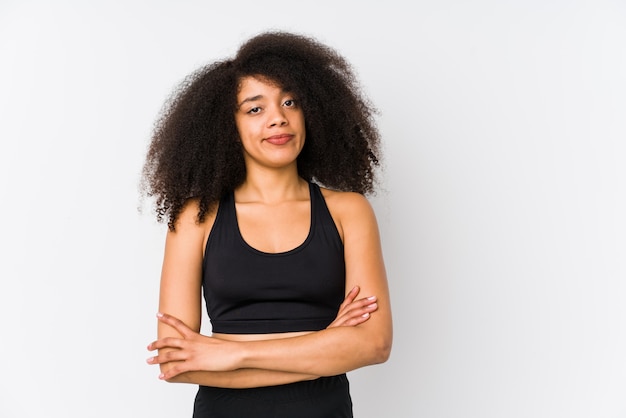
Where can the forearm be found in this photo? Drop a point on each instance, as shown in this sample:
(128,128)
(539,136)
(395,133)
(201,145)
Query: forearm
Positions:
(324,353)
(344,346)
(241,378)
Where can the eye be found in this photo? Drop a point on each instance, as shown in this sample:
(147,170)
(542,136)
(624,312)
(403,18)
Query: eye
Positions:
(254,110)
(290,103)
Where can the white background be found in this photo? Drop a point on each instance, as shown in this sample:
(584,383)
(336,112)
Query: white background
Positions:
(503,215)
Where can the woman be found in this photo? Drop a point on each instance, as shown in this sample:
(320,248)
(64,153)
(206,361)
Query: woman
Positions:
(235,167)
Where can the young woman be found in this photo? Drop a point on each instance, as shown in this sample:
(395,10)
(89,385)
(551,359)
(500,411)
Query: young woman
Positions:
(259,164)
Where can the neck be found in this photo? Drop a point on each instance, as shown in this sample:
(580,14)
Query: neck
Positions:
(272,186)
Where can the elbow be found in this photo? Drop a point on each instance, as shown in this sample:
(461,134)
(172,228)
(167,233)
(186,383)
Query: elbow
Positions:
(175,379)
(179,378)
(383,352)
(381,349)
(377,343)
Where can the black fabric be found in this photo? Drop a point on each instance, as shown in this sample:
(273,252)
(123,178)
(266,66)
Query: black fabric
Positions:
(251,292)
(326,397)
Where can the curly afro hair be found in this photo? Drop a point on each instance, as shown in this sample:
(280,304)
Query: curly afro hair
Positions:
(195,150)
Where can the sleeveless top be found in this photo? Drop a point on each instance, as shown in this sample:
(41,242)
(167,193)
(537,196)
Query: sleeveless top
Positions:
(248,291)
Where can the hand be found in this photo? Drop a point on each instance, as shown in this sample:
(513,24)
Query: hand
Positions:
(192,352)
(353,313)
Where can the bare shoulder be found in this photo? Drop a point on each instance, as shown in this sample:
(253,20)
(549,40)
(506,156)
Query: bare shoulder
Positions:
(345,201)
(188,223)
(348,209)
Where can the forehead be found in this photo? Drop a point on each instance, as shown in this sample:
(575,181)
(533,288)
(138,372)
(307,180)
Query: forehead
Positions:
(248,84)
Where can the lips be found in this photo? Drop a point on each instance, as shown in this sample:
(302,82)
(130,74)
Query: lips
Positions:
(279,139)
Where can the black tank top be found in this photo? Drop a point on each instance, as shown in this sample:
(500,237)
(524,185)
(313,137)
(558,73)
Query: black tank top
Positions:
(248,291)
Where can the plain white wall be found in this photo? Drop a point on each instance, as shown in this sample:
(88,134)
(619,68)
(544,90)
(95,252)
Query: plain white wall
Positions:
(502,220)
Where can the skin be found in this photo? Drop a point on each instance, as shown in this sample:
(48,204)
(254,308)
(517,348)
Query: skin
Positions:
(272,132)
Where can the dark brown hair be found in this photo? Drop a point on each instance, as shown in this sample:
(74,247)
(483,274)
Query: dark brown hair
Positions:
(195,150)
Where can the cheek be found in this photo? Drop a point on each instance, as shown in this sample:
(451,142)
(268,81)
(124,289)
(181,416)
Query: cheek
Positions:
(245,129)
(299,120)
(238,126)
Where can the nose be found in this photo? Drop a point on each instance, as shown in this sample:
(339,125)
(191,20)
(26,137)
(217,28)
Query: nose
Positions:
(277,117)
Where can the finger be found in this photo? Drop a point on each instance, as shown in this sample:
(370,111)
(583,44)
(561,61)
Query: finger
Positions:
(351,307)
(350,321)
(357,320)
(352,294)
(169,342)
(356,305)
(167,357)
(357,313)
(354,316)
(174,322)
(174,371)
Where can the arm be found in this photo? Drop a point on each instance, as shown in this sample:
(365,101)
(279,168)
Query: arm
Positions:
(181,276)
(351,313)
(180,295)
(341,349)
(327,352)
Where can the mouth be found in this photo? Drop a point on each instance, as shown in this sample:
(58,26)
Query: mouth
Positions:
(279,139)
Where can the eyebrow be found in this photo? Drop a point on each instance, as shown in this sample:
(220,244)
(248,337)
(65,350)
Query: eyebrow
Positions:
(250,99)
(259,97)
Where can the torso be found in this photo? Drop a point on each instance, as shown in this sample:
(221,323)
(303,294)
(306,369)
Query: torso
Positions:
(285,226)
(257,337)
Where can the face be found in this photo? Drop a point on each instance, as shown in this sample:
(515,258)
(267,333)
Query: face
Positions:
(270,123)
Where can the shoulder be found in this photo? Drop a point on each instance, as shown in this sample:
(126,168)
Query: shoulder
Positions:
(188,225)
(348,209)
(342,202)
